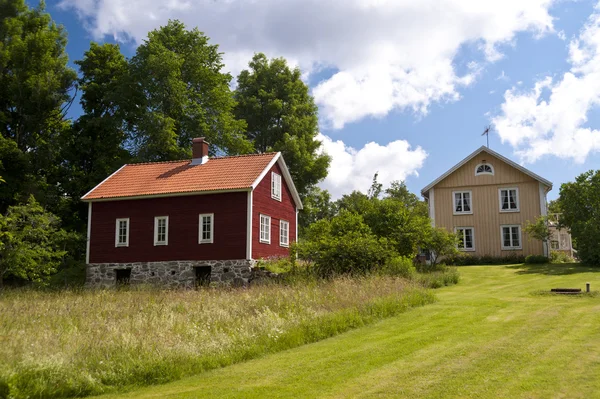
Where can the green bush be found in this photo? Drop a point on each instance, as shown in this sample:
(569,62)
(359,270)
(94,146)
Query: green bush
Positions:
(536,259)
(560,257)
(399,266)
(438,279)
(344,245)
(463,259)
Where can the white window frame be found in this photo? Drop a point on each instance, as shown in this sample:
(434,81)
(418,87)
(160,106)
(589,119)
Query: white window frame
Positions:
(510,248)
(156,221)
(517,199)
(454,212)
(117,223)
(267,222)
(275,186)
(484,173)
(284,241)
(201,228)
(463,228)
(557,245)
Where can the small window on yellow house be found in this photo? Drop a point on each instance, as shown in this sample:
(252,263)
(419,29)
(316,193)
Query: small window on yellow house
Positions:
(484,169)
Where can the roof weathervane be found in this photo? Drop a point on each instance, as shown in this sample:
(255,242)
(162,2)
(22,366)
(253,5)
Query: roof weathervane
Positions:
(486,133)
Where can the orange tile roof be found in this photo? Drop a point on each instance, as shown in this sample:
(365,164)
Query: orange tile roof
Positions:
(159,178)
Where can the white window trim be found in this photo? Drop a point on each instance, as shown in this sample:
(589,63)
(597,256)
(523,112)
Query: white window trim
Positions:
(500,200)
(484,173)
(473,237)
(454,203)
(212,228)
(276,186)
(502,237)
(281,243)
(166,241)
(117,244)
(260,224)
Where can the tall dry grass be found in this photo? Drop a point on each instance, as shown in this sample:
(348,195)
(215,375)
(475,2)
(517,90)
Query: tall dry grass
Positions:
(73,343)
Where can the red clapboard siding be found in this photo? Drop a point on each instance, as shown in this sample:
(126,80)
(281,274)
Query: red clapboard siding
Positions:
(230,210)
(262,203)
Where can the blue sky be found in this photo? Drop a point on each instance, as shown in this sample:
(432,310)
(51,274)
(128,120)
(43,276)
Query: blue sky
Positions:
(404,89)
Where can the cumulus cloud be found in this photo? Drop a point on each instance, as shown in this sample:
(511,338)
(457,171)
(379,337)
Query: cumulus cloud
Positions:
(384,54)
(550,118)
(353,169)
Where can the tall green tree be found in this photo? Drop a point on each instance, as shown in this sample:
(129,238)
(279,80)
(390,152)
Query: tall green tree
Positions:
(35,89)
(95,145)
(282,116)
(579,202)
(317,205)
(177,91)
(30,242)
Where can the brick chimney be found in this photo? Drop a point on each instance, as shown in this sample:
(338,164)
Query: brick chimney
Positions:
(199,151)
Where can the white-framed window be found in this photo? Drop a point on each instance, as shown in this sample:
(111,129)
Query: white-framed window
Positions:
(122,232)
(462,202)
(161,230)
(509,199)
(466,238)
(484,169)
(511,236)
(206,228)
(284,233)
(554,244)
(275,186)
(265,229)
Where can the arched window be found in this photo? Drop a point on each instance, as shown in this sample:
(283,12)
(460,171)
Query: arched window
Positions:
(484,169)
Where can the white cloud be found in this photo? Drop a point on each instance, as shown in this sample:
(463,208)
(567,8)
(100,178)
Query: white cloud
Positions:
(550,118)
(353,169)
(386,54)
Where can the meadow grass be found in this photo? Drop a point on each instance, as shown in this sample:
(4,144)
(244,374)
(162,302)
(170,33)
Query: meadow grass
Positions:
(78,343)
(491,336)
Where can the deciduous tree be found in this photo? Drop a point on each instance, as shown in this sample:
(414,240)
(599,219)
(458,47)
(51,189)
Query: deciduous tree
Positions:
(281,116)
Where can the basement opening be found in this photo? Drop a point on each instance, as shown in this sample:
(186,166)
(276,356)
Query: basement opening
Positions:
(202,276)
(123,276)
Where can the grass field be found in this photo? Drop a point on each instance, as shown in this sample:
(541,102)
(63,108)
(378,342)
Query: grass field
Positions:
(77,343)
(492,336)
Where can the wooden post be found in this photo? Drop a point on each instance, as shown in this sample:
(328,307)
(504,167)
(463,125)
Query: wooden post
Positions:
(587,287)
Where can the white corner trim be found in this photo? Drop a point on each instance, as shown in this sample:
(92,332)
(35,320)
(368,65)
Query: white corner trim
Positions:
(103,181)
(249,227)
(89,234)
(544,212)
(296,225)
(432,206)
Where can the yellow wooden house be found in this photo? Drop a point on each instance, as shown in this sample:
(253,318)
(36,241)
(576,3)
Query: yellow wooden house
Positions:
(488,199)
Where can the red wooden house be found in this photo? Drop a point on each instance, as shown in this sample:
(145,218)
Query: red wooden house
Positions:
(183,223)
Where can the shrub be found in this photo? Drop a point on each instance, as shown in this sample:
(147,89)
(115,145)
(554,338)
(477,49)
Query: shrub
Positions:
(560,257)
(536,259)
(438,279)
(463,259)
(399,266)
(344,245)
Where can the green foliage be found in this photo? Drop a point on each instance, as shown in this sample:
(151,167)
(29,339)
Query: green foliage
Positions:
(178,92)
(441,243)
(343,245)
(30,243)
(536,259)
(281,116)
(438,279)
(317,205)
(539,229)
(560,257)
(580,205)
(399,266)
(463,259)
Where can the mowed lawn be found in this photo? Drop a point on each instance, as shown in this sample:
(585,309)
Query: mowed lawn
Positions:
(491,336)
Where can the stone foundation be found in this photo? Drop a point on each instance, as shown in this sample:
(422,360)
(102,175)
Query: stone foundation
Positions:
(172,274)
